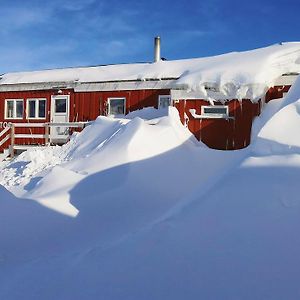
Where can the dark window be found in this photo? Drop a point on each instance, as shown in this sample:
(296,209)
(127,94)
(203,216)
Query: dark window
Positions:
(42,108)
(60,105)
(36,108)
(19,108)
(31,109)
(10,109)
(14,109)
(215,110)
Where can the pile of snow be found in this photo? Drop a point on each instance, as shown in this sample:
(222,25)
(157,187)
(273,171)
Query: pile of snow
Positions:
(280,134)
(235,75)
(140,210)
(108,144)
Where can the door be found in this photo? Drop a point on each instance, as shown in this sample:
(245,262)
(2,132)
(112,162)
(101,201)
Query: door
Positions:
(60,111)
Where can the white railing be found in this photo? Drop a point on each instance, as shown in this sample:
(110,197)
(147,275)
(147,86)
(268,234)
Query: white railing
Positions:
(9,132)
(4,135)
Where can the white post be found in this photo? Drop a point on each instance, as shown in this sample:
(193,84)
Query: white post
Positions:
(47,134)
(12,141)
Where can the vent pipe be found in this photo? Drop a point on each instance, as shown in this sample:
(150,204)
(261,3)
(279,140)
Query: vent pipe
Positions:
(157,49)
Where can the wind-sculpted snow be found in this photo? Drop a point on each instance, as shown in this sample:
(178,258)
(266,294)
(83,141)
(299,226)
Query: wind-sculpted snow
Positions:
(280,134)
(138,209)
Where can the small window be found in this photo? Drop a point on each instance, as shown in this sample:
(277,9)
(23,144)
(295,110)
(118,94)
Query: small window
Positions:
(61,105)
(36,108)
(10,109)
(116,106)
(14,108)
(42,109)
(217,110)
(164,101)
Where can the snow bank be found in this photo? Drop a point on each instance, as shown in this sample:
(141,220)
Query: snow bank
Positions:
(235,75)
(154,216)
(113,178)
(280,134)
(148,113)
(106,144)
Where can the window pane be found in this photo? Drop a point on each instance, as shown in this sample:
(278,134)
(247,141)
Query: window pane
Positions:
(164,102)
(215,110)
(19,109)
(117,106)
(10,109)
(42,108)
(31,109)
(60,105)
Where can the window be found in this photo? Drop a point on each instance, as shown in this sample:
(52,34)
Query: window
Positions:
(116,106)
(36,108)
(214,111)
(164,101)
(14,108)
(61,105)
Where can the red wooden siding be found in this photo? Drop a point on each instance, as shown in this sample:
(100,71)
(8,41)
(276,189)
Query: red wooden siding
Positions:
(276,92)
(25,96)
(88,105)
(84,106)
(222,134)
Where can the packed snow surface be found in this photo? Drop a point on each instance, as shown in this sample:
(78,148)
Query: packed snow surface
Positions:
(136,208)
(235,75)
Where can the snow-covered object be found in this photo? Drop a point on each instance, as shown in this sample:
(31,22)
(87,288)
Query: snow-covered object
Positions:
(186,223)
(112,145)
(234,75)
(153,216)
(281,132)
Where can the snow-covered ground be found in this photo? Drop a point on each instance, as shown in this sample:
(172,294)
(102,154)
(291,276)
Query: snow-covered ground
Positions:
(138,209)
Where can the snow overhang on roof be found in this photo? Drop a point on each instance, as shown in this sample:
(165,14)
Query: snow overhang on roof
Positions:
(237,75)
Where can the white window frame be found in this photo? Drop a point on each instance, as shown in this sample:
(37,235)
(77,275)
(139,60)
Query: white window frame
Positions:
(14,117)
(163,96)
(215,115)
(37,106)
(116,98)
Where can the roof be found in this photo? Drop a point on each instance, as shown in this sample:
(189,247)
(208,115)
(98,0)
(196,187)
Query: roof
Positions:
(234,75)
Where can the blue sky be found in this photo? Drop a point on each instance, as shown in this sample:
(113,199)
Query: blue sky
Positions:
(59,33)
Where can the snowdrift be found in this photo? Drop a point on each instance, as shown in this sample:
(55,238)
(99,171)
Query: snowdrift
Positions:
(159,150)
(280,134)
(137,209)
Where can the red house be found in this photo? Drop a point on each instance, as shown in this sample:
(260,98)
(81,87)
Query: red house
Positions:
(217,97)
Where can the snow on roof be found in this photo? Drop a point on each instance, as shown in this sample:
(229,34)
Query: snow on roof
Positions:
(280,134)
(238,75)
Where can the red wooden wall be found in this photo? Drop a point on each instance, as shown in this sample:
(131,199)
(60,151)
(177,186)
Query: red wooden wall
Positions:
(216,133)
(221,134)
(26,95)
(84,106)
(88,105)
(276,92)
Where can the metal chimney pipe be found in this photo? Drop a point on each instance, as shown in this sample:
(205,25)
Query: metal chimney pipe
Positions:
(157,49)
